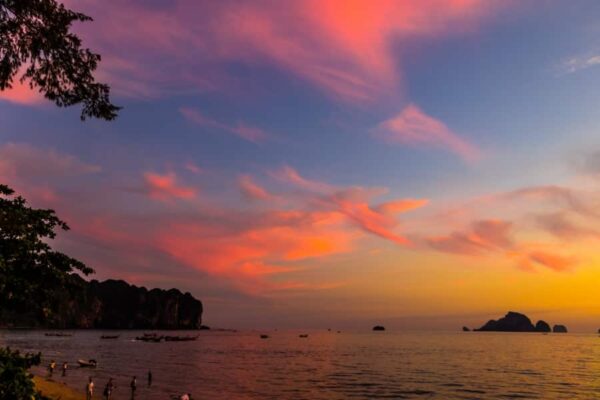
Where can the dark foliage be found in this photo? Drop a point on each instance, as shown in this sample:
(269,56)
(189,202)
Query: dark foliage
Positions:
(15,380)
(35,38)
(32,275)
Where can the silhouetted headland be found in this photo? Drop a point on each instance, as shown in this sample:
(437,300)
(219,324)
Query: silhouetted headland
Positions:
(517,322)
(113,304)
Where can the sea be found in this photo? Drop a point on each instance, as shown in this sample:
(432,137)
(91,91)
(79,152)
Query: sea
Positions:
(328,365)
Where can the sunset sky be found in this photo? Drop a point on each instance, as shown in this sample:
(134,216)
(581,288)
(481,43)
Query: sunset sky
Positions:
(422,164)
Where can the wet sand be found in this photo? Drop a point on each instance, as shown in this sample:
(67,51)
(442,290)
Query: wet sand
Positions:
(56,390)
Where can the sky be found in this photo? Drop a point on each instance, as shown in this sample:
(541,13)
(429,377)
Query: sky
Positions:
(332,163)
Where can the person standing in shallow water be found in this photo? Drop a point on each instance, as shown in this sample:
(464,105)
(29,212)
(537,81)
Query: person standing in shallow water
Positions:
(51,368)
(149,378)
(89,389)
(64,369)
(133,386)
(108,389)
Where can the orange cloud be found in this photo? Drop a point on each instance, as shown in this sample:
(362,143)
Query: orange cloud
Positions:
(400,206)
(413,127)
(165,187)
(247,255)
(555,262)
(251,134)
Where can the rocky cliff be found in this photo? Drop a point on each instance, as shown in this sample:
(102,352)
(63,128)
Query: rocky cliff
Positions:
(114,304)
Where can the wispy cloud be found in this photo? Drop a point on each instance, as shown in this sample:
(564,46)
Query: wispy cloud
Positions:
(341,47)
(575,64)
(251,190)
(166,187)
(249,133)
(412,126)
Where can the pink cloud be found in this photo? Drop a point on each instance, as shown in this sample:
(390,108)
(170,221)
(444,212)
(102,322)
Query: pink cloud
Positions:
(36,172)
(30,162)
(165,187)
(251,134)
(251,190)
(413,127)
(482,237)
(21,93)
(495,238)
(289,175)
(343,47)
(190,166)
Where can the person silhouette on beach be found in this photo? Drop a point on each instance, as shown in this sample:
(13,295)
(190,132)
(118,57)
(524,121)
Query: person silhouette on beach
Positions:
(133,386)
(89,389)
(108,389)
(51,368)
(64,369)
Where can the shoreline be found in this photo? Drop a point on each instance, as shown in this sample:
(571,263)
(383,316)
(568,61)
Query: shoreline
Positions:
(56,390)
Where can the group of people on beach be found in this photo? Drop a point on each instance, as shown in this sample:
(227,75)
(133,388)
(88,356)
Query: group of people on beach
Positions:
(110,387)
(52,367)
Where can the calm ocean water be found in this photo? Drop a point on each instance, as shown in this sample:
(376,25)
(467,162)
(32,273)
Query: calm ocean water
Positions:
(328,365)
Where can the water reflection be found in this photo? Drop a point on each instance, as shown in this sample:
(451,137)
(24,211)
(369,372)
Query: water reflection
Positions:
(328,365)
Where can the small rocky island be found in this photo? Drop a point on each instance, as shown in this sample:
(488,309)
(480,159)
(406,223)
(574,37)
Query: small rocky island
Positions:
(112,304)
(559,329)
(517,322)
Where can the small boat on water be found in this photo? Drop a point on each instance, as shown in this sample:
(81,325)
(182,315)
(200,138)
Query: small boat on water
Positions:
(89,363)
(109,336)
(150,337)
(304,335)
(180,338)
(264,336)
(58,334)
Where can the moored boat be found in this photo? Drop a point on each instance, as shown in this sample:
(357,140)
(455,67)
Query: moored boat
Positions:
(89,363)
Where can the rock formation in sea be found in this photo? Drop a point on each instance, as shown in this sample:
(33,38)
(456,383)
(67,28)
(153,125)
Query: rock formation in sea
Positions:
(559,329)
(517,322)
(114,304)
(378,328)
(542,326)
(511,322)
(465,329)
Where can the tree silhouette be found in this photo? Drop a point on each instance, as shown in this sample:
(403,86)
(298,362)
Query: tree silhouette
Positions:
(35,37)
(32,274)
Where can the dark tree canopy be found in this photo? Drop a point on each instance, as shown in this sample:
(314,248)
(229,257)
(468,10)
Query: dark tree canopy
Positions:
(32,274)
(15,380)
(35,37)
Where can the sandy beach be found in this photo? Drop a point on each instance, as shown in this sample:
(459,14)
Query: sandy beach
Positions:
(56,390)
